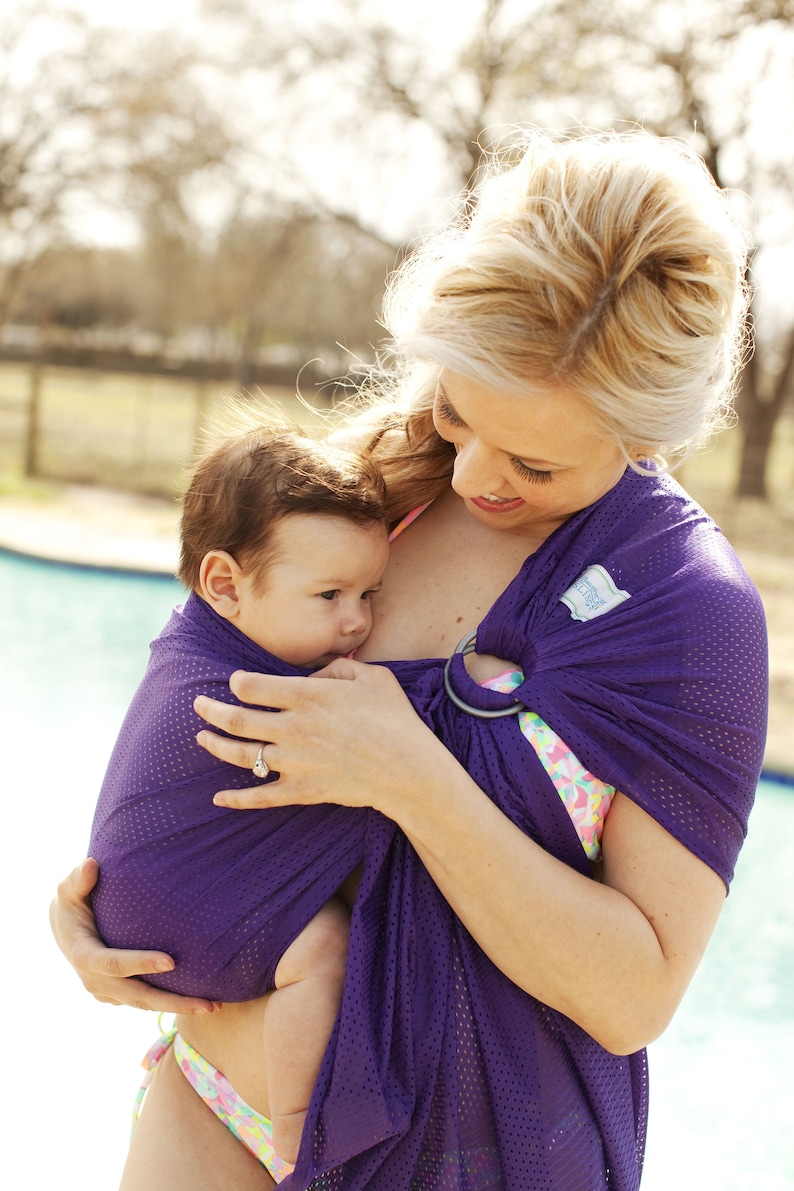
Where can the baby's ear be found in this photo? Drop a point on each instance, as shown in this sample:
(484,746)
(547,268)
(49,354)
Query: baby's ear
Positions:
(219,579)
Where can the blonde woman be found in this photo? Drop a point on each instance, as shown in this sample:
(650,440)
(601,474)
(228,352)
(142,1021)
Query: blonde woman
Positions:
(547,858)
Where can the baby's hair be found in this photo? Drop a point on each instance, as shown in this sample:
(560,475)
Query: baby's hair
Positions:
(257,473)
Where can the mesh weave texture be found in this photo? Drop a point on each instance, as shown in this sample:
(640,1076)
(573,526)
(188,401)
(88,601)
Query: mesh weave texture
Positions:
(441,1074)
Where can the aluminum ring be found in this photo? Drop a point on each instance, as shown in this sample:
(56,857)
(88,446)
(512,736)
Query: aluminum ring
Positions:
(468,644)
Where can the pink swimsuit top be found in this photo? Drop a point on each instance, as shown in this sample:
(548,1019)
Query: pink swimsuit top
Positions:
(586,798)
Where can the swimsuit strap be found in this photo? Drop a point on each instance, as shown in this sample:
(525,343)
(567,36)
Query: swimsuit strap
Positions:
(408,519)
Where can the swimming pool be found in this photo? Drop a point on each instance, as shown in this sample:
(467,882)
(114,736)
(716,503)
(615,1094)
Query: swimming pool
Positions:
(74,644)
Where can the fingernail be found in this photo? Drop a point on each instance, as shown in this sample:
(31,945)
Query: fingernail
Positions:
(163,965)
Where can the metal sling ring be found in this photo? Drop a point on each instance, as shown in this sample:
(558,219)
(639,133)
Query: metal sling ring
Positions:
(468,644)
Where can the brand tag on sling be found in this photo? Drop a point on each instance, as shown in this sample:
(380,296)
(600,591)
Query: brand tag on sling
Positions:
(593,594)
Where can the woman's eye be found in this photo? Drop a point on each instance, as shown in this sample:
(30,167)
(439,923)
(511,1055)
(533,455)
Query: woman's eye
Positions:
(328,595)
(446,413)
(531,473)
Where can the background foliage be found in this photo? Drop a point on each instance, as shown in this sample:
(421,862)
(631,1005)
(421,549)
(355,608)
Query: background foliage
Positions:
(238,189)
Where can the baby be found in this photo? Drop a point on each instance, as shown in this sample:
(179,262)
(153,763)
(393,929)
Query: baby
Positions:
(283,545)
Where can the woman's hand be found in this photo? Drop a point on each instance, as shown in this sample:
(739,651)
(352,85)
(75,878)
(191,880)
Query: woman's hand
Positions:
(106,972)
(356,741)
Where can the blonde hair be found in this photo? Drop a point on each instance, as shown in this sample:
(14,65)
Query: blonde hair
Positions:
(609,264)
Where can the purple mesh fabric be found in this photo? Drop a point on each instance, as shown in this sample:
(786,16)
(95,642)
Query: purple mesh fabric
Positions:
(224,892)
(441,1073)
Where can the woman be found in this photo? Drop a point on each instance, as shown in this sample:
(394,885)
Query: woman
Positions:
(587,319)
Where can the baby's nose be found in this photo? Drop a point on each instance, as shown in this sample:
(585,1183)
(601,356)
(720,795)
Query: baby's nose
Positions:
(356,620)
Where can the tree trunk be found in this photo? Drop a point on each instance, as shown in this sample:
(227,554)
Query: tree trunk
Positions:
(758,417)
(757,439)
(33,427)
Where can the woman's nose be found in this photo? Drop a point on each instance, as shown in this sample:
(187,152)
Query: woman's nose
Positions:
(475,471)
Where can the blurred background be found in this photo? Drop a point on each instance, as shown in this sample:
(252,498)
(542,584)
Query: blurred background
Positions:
(214,193)
(206,198)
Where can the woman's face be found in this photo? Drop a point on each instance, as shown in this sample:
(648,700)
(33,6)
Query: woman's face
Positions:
(524,463)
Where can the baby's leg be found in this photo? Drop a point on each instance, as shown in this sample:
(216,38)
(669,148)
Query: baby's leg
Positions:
(299,1018)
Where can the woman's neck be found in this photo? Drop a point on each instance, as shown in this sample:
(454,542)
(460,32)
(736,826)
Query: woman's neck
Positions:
(451,567)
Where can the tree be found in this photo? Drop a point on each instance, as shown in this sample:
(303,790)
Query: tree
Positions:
(90,121)
(721,75)
(289,279)
(38,120)
(400,106)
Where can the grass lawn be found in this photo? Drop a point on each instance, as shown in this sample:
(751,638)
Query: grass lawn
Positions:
(136,434)
(113,429)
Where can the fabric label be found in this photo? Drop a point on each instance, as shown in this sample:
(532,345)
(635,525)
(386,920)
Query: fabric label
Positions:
(593,594)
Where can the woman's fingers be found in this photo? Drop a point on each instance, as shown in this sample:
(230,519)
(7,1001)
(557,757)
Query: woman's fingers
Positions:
(270,695)
(138,995)
(255,798)
(355,742)
(242,753)
(107,972)
(80,881)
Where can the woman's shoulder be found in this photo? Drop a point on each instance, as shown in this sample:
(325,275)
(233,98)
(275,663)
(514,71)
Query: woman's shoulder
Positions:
(660,526)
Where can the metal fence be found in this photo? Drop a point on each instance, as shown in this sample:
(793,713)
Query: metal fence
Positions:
(121,430)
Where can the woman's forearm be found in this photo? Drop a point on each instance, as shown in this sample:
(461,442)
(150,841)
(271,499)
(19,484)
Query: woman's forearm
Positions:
(614,956)
(593,951)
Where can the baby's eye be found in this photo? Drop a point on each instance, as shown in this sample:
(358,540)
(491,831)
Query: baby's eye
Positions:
(531,473)
(329,595)
(367,595)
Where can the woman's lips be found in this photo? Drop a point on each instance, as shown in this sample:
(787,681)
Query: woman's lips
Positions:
(496,506)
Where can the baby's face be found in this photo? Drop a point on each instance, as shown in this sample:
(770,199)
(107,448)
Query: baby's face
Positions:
(315,604)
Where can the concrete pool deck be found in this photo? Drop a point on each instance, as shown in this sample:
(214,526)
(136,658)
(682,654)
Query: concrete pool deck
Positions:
(115,530)
(93,527)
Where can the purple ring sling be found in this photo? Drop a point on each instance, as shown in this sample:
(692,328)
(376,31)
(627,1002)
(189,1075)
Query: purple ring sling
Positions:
(643,646)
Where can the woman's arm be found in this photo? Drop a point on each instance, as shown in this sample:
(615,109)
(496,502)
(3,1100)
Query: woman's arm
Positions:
(614,956)
(108,972)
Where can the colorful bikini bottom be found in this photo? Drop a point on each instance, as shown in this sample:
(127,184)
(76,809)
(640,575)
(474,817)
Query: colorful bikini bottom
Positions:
(474,1169)
(247,1125)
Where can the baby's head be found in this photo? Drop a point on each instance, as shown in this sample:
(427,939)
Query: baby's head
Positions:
(287,539)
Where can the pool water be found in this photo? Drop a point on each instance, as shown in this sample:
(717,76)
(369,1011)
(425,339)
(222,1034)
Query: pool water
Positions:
(74,644)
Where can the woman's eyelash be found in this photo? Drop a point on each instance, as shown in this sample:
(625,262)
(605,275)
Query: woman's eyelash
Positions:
(531,473)
(446,412)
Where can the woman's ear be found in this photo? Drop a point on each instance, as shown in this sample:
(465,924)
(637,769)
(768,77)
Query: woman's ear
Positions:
(638,454)
(219,583)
